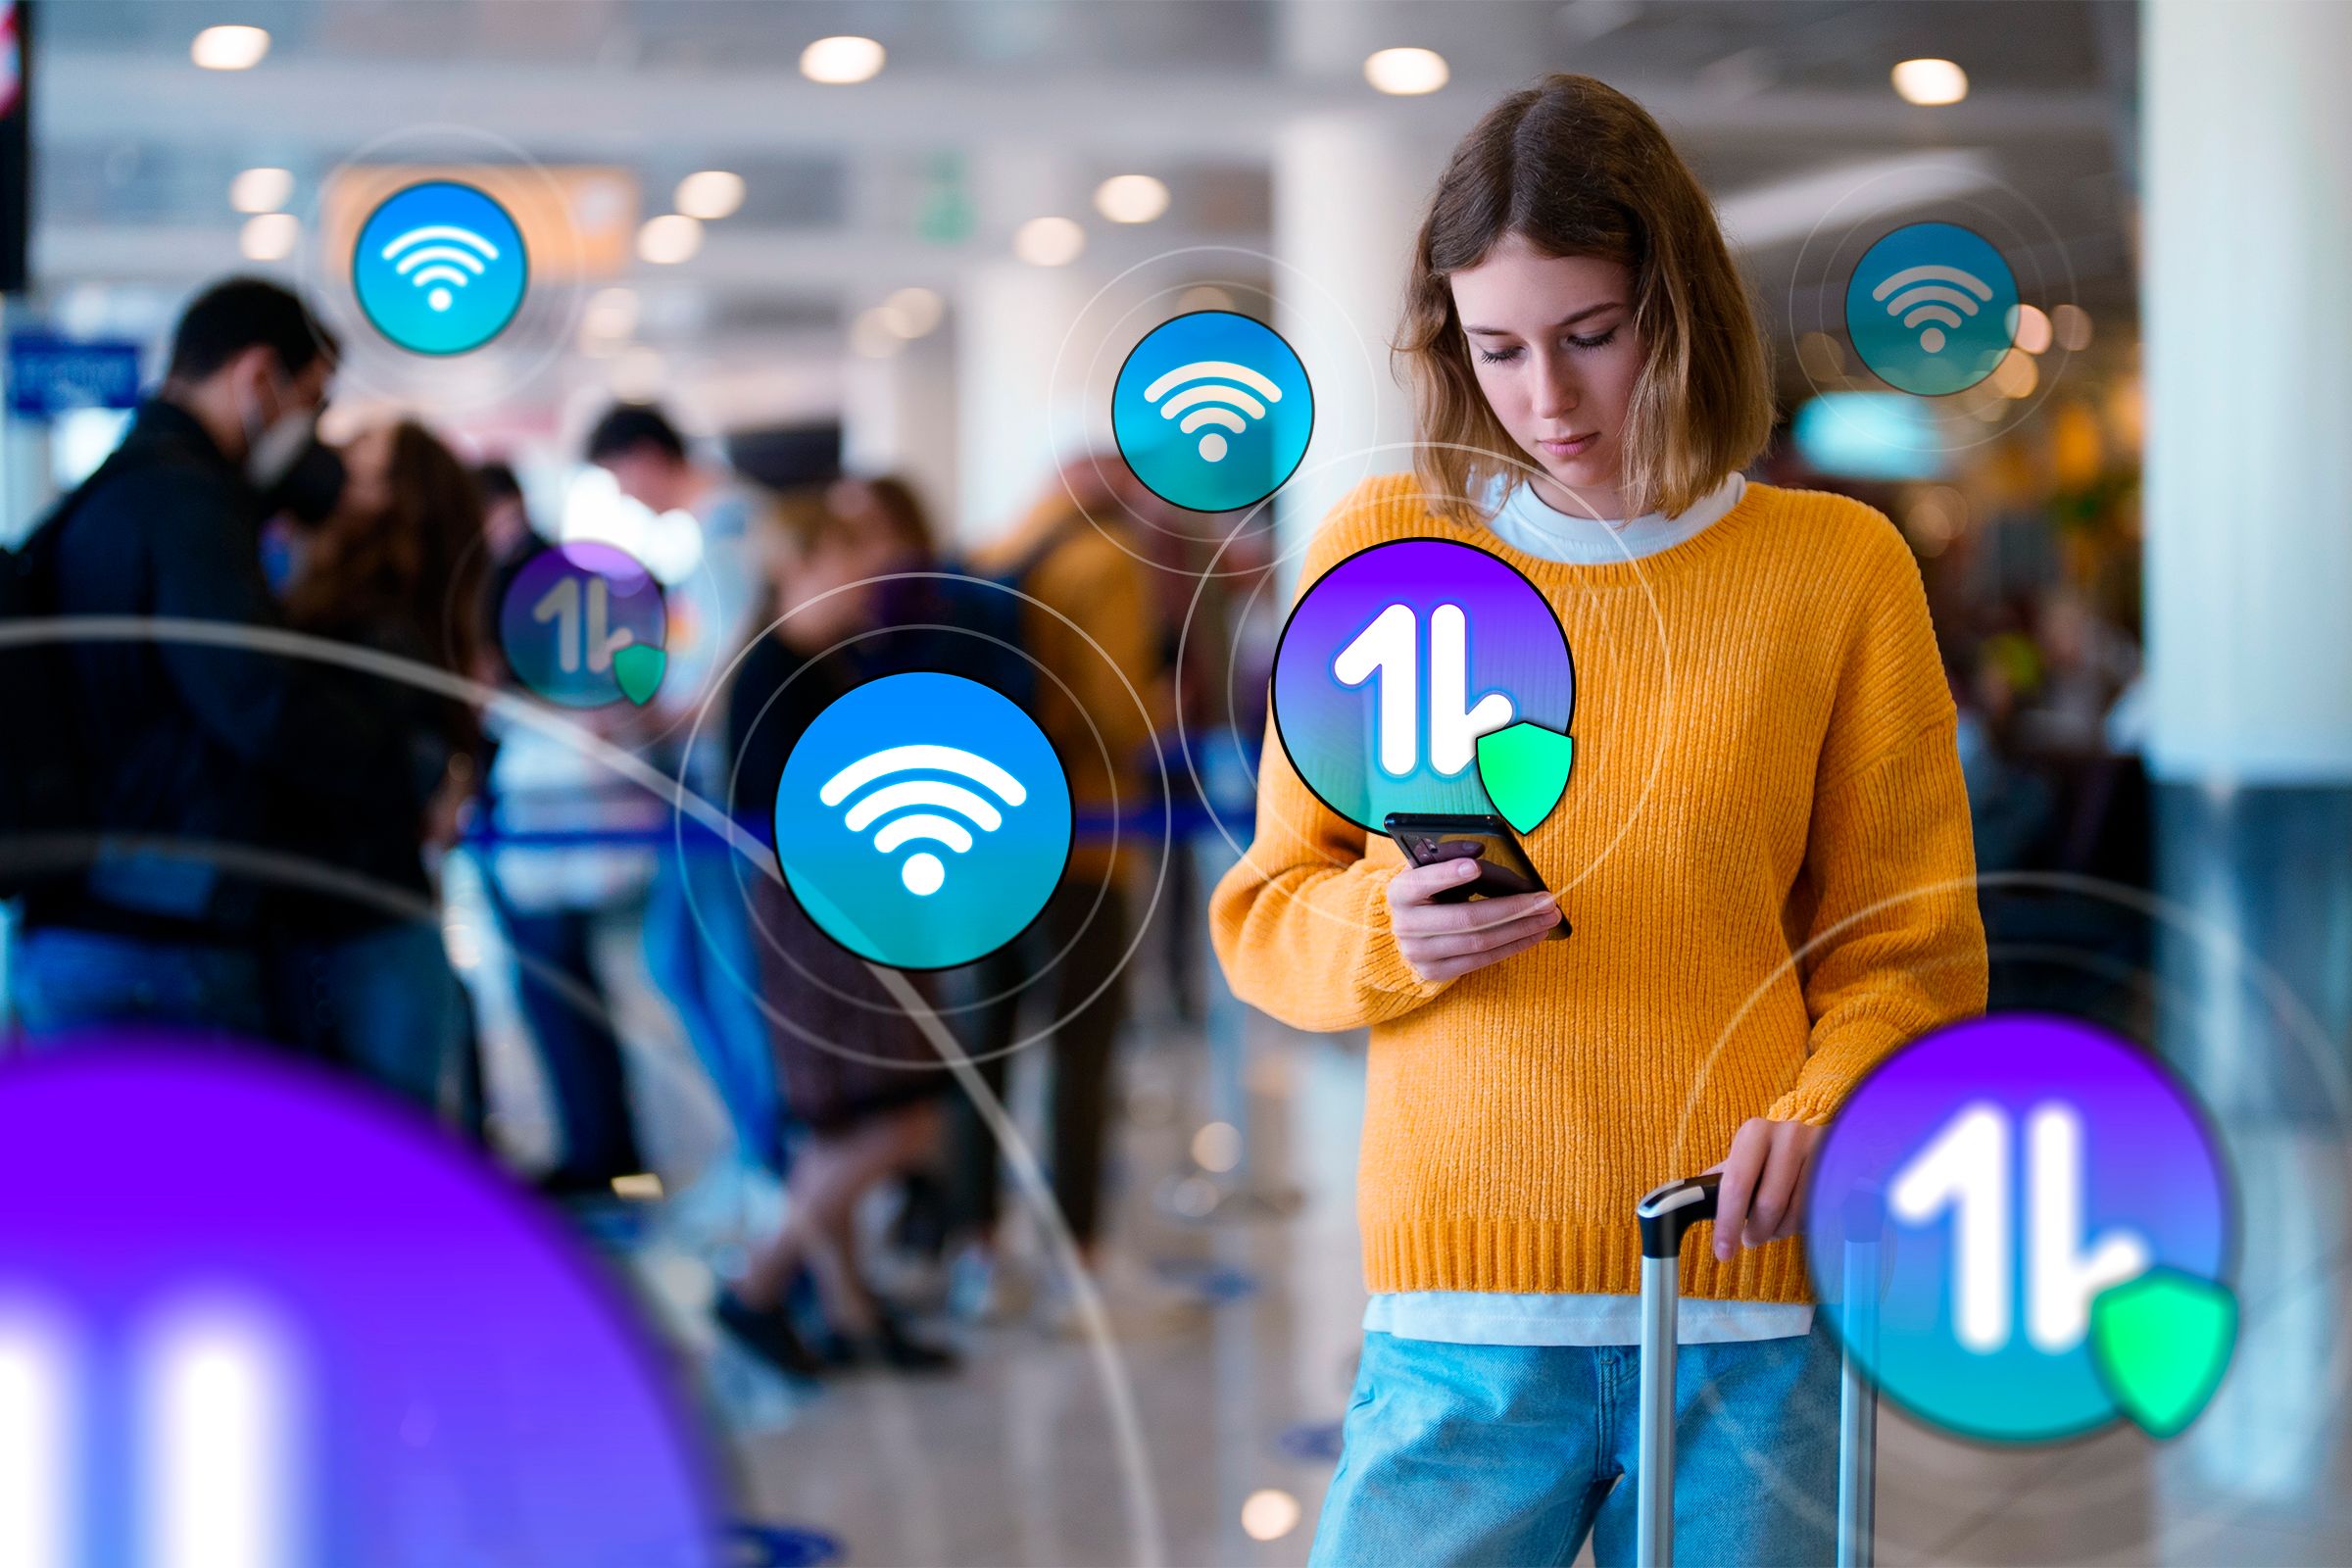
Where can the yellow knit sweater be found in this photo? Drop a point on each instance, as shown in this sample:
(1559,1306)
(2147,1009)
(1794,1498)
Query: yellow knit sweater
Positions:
(1764,850)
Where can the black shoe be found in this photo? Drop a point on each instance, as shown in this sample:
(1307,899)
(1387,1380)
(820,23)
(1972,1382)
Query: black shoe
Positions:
(769,1335)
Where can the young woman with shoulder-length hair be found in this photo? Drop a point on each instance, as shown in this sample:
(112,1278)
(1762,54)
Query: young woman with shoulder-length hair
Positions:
(1765,848)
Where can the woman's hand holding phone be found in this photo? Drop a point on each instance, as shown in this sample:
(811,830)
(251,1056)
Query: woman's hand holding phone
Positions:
(1441,941)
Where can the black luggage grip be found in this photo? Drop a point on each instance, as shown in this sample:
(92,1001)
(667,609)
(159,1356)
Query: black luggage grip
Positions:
(1668,1212)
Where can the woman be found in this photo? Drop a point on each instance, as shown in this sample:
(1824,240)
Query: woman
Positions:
(1761,712)
(855,1075)
(394,569)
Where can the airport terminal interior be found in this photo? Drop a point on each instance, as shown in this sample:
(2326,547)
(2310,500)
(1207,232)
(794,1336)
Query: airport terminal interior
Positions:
(786,359)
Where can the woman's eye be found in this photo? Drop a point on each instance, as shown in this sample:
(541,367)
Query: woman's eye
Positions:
(1600,342)
(1500,358)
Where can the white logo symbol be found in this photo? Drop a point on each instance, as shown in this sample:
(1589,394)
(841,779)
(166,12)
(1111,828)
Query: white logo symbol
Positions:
(1204,401)
(1964,1170)
(1931,300)
(1389,649)
(209,1403)
(923,873)
(436,253)
(595,641)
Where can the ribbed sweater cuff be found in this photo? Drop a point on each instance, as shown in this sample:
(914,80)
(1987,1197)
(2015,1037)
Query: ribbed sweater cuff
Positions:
(1522,1256)
(1383,970)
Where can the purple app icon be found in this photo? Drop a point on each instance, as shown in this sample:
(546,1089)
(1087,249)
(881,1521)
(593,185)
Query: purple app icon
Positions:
(253,1314)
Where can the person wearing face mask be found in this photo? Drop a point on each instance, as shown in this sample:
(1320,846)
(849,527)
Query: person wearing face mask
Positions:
(182,743)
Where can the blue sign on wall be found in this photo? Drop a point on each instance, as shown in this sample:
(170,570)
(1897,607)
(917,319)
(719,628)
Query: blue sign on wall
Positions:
(50,375)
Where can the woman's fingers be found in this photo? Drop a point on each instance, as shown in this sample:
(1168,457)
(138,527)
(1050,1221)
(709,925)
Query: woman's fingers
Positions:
(1463,945)
(1741,1169)
(1416,885)
(1475,914)
(1451,968)
(1775,1203)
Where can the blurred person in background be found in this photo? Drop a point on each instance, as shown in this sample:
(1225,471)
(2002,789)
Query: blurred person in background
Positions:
(394,569)
(859,1081)
(1093,627)
(181,746)
(698,942)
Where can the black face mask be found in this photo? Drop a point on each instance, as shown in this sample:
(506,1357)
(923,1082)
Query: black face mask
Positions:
(310,488)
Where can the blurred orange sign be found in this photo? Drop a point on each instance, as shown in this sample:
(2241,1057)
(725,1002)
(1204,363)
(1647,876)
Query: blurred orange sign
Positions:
(577,221)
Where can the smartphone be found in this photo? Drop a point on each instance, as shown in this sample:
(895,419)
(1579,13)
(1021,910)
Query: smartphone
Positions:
(1503,867)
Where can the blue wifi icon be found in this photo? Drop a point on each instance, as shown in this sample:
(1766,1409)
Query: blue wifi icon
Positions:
(439,268)
(922,820)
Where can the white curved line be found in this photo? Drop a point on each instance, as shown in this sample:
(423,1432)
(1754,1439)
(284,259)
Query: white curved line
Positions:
(464,236)
(922,826)
(439,253)
(1920,296)
(1933,312)
(922,792)
(1213,394)
(1201,369)
(1213,416)
(437,271)
(902,758)
(1931,274)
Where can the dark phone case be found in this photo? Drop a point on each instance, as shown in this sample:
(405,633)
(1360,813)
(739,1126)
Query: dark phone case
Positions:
(1401,825)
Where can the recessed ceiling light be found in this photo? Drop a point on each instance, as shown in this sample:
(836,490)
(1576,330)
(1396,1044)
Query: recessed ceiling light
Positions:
(1931,83)
(269,237)
(260,190)
(669,239)
(712,193)
(1048,241)
(230,48)
(842,61)
(1131,198)
(2071,324)
(912,311)
(1269,1514)
(1407,71)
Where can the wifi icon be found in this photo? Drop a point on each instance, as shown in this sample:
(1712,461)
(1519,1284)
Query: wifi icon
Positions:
(440,267)
(923,873)
(1212,411)
(896,781)
(1932,308)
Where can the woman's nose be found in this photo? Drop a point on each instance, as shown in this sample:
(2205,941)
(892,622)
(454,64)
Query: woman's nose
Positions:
(1555,390)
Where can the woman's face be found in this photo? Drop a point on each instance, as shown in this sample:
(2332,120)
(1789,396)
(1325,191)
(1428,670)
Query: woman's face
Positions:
(1552,340)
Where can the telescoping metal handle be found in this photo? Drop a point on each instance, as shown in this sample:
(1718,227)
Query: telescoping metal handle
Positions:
(1666,1214)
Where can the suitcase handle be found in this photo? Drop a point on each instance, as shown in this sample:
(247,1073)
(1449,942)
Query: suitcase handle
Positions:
(1668,1212)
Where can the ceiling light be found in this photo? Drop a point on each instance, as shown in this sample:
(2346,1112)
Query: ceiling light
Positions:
(669,239)
(1269,1516)
(230,48)
(269,237)
(1406,72)
(612,313)
(712,193)
(841,60)
(1203,297)
(2072,325)
(260,190)
(2015,376)
(2031,329)
(1131,198)
(873,337)
(912,311)
(1048,241)
(1931,81)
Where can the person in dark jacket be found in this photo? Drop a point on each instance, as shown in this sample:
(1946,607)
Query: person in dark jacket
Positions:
(182,741)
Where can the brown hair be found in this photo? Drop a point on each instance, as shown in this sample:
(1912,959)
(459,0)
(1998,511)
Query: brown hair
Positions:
(1578,168)
(414,569)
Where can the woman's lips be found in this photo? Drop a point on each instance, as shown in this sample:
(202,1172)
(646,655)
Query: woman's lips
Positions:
(1569,447)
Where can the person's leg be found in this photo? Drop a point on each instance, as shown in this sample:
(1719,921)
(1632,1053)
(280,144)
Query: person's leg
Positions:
(1755,1440)
(577,1045)
(66,980)
(1459,1454)
(395,1008)
(698,949)
(1090,996)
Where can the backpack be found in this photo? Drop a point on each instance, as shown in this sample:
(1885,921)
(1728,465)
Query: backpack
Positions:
(43,788)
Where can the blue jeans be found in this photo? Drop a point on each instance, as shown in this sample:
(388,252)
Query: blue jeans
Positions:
(62,979)
(1511,1455)
(702,959)
(386,1002)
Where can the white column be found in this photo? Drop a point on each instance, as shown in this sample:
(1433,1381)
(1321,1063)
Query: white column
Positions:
(2248,137)
(1349,195)
(1014,418)
(897,416)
